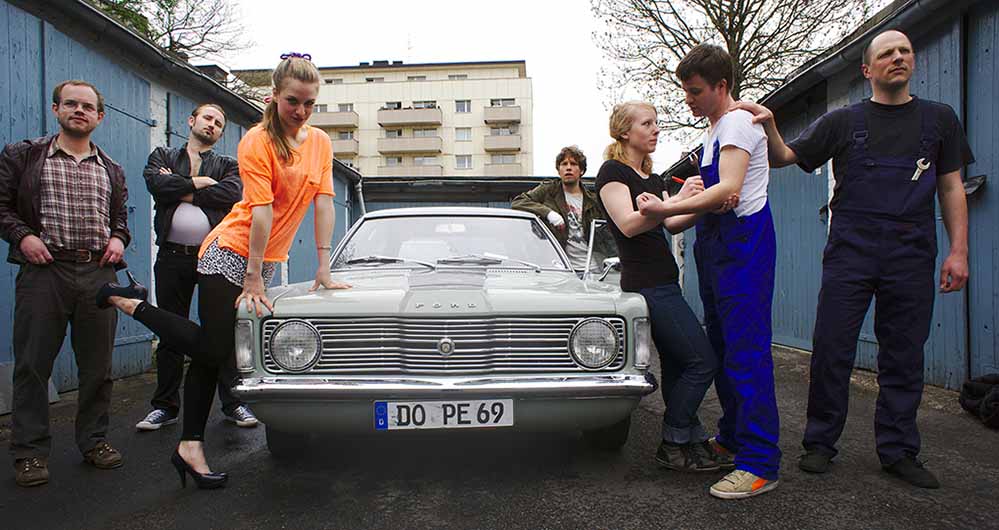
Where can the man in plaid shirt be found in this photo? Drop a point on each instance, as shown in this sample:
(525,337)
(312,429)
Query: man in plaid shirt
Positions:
(63,212)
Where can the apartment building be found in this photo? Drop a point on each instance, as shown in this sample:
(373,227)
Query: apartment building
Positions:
(387,118)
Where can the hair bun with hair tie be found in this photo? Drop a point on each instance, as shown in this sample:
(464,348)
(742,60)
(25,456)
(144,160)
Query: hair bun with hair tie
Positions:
(289,55)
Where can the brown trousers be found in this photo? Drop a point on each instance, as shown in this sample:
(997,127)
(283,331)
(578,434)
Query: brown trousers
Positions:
(47,298)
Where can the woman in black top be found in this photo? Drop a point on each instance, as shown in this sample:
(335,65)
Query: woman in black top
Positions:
(648,268)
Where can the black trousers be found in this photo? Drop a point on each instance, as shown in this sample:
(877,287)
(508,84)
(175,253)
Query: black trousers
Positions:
(47,298)
(209,345)
(176,277)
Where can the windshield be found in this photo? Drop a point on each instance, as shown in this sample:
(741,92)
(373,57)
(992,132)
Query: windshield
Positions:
(449,241)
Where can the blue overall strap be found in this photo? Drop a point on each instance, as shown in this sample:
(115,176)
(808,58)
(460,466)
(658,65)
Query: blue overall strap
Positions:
(858,120)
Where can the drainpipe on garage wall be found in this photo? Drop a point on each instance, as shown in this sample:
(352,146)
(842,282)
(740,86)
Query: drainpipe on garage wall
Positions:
(359,190)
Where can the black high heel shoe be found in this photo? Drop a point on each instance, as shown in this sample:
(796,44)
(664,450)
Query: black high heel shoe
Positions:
(133,290)
(206,481)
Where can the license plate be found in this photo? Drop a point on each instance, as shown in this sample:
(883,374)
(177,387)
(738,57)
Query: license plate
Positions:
(392,415)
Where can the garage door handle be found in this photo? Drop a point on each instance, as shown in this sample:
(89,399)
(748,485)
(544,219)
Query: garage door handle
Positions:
(973,184)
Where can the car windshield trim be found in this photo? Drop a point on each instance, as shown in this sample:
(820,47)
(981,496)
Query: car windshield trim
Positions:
(485,259)
(388,259)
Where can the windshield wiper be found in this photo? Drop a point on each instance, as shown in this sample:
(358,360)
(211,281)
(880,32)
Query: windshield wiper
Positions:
(388,259)
(485,259)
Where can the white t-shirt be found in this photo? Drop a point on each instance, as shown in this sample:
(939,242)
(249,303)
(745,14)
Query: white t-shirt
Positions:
(576,243)
(738,130)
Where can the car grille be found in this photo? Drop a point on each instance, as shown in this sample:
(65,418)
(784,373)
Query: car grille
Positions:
(392,346)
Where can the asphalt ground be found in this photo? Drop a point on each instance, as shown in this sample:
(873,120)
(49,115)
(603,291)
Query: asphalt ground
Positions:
(504,480)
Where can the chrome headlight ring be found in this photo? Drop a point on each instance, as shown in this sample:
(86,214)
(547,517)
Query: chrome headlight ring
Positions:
(593,343)
(296,345)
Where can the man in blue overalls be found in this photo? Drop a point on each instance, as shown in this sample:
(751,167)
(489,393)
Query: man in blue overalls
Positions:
(736,255)
(891,155)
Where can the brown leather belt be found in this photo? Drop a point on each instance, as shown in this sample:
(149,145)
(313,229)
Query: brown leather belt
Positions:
(177,248)
(76,256)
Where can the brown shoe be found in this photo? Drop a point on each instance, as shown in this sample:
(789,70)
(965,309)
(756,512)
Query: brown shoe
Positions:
(103,456)
(31,471)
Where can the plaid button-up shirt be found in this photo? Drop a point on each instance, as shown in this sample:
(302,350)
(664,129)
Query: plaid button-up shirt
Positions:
(75,201)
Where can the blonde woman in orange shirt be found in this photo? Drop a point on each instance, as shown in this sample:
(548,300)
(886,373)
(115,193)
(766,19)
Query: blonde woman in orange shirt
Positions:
(285,166)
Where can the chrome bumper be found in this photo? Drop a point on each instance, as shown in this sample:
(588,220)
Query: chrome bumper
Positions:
(340,389)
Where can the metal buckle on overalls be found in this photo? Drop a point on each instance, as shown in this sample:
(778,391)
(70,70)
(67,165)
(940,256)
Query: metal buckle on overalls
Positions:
(84,256)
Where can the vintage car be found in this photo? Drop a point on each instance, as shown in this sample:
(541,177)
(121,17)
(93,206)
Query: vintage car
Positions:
(457,318)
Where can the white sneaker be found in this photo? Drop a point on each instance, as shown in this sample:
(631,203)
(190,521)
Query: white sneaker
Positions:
(156,419)
(741,484)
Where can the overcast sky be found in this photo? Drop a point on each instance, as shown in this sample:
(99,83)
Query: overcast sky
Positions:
(553,36)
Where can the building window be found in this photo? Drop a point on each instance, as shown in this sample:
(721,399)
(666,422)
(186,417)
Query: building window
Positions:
(320,107)
(374,79)
(502,131)
(463,134)
(393,160)
(424,133)
(457,77)
(334,81)
(503,102)
(504,159)
(345,135)
(345,107)
(393,105)
(425,160)
(463,106)
(425,104)
(393,133)
(416,78)
(463,162)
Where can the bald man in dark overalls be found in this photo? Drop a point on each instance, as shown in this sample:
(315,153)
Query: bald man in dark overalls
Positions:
(892,155)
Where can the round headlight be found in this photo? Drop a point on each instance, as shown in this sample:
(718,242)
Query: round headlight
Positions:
(593,343)
(296,345)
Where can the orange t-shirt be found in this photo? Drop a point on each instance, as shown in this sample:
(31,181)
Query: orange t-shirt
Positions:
(289,188)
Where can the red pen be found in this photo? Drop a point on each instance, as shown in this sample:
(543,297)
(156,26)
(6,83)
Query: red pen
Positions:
(677,179)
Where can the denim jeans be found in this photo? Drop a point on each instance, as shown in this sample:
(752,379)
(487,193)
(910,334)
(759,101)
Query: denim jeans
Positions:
(688,362)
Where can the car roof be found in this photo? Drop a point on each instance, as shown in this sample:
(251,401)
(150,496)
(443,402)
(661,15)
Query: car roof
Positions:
(452,211)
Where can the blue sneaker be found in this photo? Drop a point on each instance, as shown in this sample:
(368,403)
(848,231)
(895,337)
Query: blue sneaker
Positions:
(156,419)
(241,416)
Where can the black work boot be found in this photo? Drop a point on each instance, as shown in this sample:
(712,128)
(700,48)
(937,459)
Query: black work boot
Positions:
(690,458)
(912,471)
(814,461)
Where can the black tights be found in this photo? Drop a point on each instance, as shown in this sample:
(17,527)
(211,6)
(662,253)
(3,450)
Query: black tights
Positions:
(209,345)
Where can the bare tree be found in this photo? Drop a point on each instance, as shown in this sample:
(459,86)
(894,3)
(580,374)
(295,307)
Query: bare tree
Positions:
(196,28)
(767,39)
(191,29)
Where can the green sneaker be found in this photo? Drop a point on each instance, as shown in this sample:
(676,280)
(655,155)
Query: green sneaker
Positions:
(741,484)
(724,457)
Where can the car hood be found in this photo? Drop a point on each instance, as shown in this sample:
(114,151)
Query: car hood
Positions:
(448,293)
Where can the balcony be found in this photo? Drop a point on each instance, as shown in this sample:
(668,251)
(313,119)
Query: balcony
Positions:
(502,115)
(504,170)
(411,171)
(409,117)
(497,142)
(423,144)
(333,119)
(345,147)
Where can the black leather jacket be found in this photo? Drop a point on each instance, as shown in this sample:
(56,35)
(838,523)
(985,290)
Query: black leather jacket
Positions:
(20,203)
(215,201)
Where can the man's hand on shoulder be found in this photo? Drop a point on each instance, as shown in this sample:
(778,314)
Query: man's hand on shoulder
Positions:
(760,113)
(34,250)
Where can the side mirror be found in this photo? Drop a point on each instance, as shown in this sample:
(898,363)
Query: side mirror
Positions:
(610,264)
